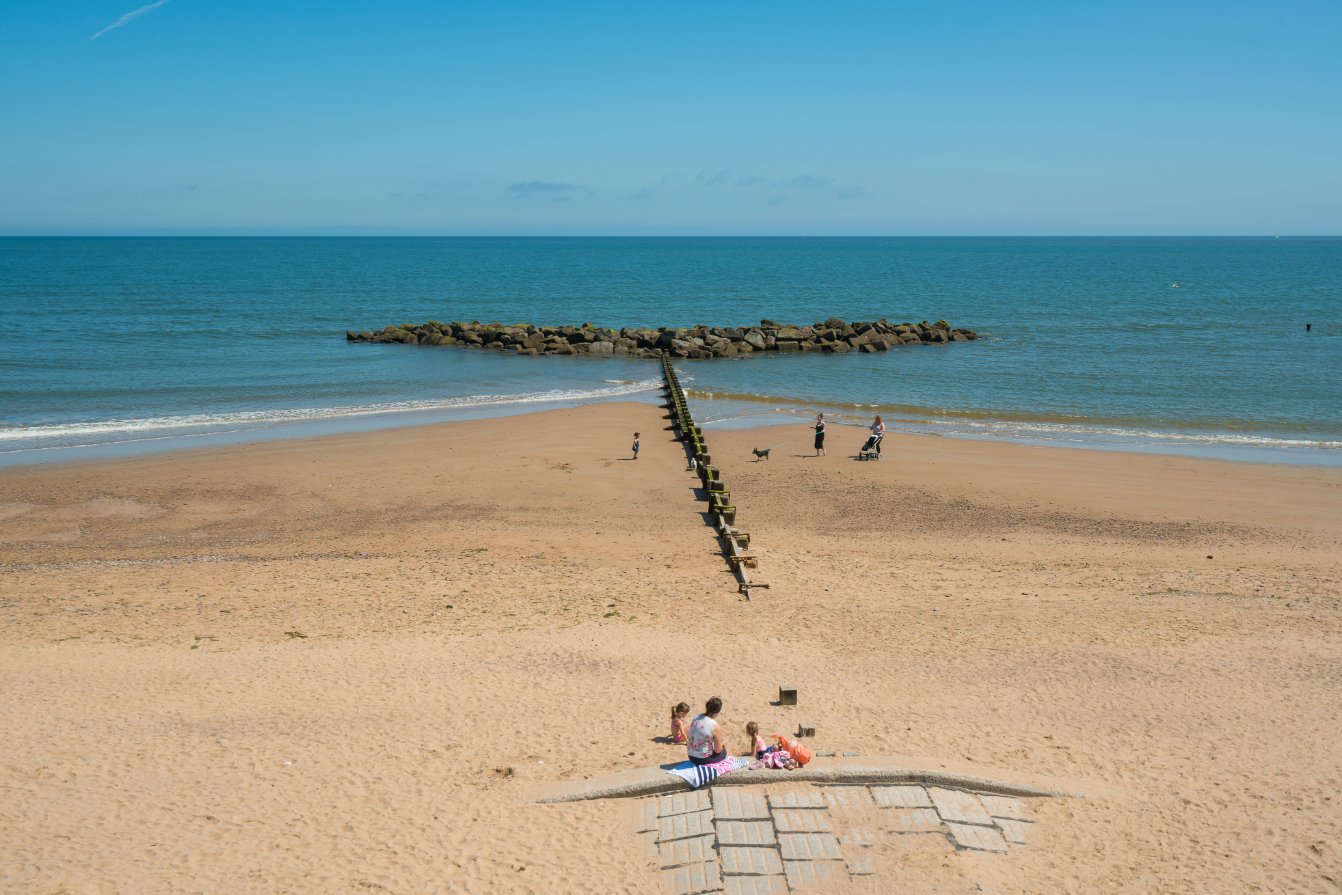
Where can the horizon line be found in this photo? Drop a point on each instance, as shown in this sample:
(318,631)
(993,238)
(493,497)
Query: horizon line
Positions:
(317,233)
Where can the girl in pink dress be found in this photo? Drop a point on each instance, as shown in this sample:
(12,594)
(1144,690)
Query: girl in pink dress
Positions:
(757,747)
(678,725)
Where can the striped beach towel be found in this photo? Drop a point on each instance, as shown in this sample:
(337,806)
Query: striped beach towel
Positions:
(697,775)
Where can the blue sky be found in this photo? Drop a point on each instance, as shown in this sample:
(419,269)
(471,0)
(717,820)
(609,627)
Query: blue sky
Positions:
(780,118)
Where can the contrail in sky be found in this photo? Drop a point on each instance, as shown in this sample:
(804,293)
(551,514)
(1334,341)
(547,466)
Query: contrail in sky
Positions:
(127,17)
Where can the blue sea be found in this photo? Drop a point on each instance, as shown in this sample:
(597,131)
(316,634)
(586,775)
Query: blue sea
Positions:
(114,346)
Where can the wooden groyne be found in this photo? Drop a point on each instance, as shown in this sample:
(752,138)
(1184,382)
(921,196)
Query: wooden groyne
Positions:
(832,336)
(735,543)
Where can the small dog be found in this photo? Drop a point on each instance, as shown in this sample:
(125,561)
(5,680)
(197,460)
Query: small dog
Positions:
(694,465)
(761,454)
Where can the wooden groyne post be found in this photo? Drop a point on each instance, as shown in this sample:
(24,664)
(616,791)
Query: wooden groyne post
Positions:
(735,543)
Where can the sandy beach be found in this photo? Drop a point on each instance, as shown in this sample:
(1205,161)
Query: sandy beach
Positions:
(346,664)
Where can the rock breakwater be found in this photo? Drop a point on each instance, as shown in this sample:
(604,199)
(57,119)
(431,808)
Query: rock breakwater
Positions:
(699,342)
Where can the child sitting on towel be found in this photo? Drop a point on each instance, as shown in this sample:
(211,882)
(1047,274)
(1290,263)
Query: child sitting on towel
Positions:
(767,757)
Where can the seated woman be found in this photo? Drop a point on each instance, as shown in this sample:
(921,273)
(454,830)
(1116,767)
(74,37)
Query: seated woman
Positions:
(706,744)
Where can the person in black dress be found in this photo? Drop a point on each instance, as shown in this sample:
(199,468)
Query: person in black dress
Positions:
(820,435)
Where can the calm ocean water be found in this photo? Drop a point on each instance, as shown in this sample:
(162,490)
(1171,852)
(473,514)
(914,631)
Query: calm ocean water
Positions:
(122,345)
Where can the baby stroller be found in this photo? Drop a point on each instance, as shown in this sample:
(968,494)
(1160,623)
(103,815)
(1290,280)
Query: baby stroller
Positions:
(872,449)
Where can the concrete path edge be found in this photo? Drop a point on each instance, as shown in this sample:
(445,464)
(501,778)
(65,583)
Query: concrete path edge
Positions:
(655,781)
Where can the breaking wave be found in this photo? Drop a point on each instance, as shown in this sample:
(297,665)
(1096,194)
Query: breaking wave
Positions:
(79,431)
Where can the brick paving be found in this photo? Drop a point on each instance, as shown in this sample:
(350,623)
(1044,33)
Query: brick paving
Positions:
(775,840)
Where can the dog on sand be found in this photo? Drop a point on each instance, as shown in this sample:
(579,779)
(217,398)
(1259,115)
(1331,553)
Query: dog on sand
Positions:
(761,454)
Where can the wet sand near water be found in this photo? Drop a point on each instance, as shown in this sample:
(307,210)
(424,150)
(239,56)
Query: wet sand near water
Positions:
(345,663)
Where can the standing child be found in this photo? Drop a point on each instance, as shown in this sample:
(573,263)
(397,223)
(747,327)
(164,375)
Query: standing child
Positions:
(756,747)
(636,457)
(678,725)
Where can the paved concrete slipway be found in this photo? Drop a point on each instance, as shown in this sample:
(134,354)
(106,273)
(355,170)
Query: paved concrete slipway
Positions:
(768,832)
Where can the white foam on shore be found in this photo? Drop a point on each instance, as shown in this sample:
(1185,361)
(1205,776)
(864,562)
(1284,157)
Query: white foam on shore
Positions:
(106,428)
(1078,432)
(1118,435)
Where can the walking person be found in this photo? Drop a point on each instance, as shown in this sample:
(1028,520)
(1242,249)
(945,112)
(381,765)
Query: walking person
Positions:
(820,435)
(873,445)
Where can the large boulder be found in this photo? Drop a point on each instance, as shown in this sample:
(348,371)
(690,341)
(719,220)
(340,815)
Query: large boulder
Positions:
(755,339)
(786,345)
(603,348)
(668,336)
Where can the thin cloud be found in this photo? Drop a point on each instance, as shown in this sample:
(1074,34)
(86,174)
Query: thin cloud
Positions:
(534,187)
(128,17)
(823,183)
(805,182)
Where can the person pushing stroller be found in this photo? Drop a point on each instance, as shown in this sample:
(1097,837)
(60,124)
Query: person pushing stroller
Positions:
(872,449)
